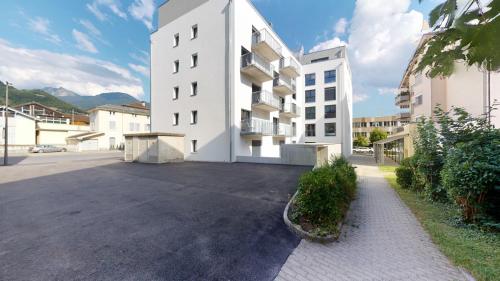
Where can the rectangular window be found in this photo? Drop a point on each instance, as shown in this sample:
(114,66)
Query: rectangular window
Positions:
(310,130)
(176,40)
(175,93)
(194,31)
(330,129)
(194,146)
(330,93)
(330,76)
(310,79)
(176,66)
(194,60)
(294,129)
(194,88)
(245,115)
(310,95)
(419,100)
(137,127)
(175,120)
(310,112)
(112,125)
(194,117)
(330,111)
(131,127)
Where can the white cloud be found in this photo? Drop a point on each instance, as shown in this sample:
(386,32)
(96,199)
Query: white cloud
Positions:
(359,97)
(90,27)
(341,26)
(387,91)
(33,69)
(113,5)
(141,56)
(144,70)
(94,9)
(42,26)
(83,42)
(143,10)
(328,44)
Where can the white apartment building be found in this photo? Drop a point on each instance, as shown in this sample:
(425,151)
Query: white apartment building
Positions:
(328,98)
(108,123)
(222,77)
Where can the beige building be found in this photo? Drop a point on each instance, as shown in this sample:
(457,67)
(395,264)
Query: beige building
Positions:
(363,126)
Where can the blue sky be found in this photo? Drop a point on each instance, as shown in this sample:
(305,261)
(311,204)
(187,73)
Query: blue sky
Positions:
(94,46)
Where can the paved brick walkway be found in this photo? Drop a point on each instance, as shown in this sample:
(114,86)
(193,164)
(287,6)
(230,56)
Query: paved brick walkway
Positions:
(381,240)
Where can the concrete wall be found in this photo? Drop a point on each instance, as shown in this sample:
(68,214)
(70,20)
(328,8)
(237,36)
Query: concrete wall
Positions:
(21,130)
(152,148)
(56,134)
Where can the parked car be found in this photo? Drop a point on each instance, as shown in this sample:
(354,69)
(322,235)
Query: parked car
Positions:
(46,149)
(365,150)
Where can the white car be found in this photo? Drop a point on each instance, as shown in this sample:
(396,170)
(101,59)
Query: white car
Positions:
(47,148)
(368,150)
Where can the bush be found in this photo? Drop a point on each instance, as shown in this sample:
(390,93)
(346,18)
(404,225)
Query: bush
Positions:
(405,173)
(325,193)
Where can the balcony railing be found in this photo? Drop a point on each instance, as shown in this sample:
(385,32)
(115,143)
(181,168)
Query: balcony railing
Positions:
(265,44)
(402,100)
(282,130)
(257,67)
(289,67)
(284,85)
(290,110)
(256,127)
(265,100)
(53,120)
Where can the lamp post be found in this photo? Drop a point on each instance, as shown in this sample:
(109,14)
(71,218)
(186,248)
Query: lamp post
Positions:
(6,116)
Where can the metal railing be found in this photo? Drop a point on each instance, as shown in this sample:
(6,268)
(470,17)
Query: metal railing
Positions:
(402,97)
(290,108)
(265,36)
(283,80)
(256,126)
(284,130)
(265,97)
(289,62)
(257,61)
(53,120)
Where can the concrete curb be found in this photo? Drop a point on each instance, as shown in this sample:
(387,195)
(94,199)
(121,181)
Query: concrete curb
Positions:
(297,229)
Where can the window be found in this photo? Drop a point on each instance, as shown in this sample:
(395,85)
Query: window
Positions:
(175,120)
(137,127)
(131,127)
(310,112)
(310,130)
(176,66)
(245,115)
(294,129)
(330,129)
(330,76)
(194,31)
(175,94)
(419,100)
(194,146)
(330,93)
(194,60)
(194,88)
(330,111)
(147,127)
(310,95)
(194,117)
(310,79)
(176,40)
(320,60)
(112,142)
(112,125)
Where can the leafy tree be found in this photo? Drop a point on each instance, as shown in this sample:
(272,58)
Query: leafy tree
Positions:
(361,141)
(377,135)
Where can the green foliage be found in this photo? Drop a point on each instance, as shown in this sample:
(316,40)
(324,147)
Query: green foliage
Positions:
(472,37)
(407,176)
(325,193)
(361,141)
(377,134)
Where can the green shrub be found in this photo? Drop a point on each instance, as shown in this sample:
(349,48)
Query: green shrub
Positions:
(324,194)
(406,174)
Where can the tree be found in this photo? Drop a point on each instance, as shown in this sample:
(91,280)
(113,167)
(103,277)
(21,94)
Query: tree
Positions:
(377,135)
(361,141)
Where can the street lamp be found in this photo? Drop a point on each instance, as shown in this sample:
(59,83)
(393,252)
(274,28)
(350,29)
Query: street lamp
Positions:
(6,116)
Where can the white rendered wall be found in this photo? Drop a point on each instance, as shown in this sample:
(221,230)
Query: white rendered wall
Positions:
(21,130)
(56,134)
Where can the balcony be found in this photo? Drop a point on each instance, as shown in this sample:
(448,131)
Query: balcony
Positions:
(265,100)
(266,45)
(290,110)
(256,127)
(282,131)
(289,67)
(284,85)
(257,67)
(403,100)
(403,116)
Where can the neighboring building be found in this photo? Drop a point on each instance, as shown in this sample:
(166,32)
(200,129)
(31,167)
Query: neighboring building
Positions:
(108,123)
(328,98)
(223,77)
(50,115)
(363,126)
(21,129)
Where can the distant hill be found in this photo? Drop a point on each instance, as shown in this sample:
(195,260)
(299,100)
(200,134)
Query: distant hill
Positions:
(88,102)
(17,97)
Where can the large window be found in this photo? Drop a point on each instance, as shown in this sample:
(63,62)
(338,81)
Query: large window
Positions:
(330,94)
(330,76)
(310,95)
(310,130)
(310,112)
(330,129)
(330,111)
(310,79)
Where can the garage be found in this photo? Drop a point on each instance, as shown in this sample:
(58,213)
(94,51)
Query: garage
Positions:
(87,141)
(89,145)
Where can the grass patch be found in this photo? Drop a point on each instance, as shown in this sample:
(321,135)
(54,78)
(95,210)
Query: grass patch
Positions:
(466,246)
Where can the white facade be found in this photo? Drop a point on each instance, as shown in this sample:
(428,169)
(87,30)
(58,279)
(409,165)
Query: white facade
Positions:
(328,98)
(222,76)
(56,133)
(114,121)
(21,128)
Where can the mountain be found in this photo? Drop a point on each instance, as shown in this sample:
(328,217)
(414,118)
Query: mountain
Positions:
(88,102)
(17,97)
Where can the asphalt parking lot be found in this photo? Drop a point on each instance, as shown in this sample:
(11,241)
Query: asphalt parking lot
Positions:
(104,219)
